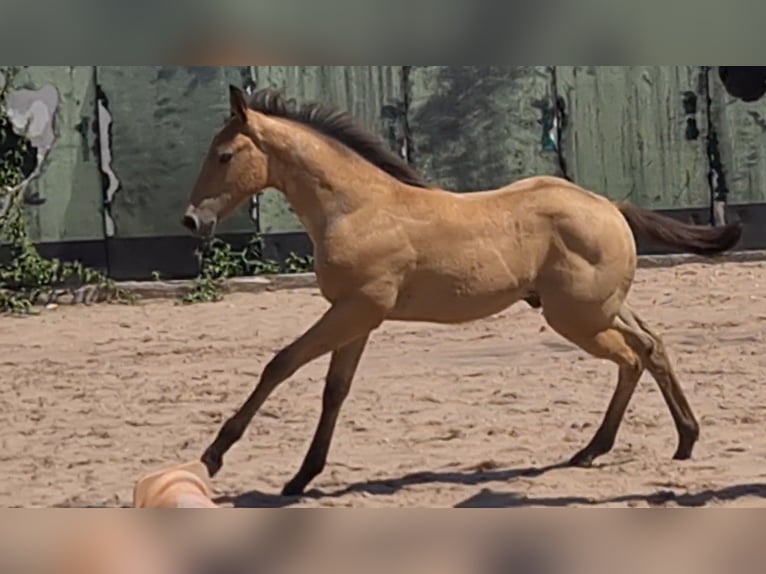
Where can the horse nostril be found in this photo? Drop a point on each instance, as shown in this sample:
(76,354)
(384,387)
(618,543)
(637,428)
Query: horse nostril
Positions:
(190,222)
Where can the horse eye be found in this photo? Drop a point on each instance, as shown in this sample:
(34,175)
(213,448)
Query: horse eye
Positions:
(225,157)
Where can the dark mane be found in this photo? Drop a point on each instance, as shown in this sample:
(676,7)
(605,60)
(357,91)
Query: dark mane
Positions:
(340,126)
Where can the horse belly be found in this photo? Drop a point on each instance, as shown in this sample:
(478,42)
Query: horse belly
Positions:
(453,302)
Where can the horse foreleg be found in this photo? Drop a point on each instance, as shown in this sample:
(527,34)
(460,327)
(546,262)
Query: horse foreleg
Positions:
(342,324)
(341,373)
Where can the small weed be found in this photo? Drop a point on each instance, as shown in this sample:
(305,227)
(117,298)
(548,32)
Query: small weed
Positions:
(218,262)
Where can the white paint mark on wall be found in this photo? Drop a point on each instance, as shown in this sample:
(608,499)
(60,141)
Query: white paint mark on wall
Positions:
(32,115)
(104,124)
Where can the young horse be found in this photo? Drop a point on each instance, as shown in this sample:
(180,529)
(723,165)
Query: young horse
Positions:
(388,246)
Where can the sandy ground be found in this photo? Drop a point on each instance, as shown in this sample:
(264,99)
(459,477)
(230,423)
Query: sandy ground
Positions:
(439,416)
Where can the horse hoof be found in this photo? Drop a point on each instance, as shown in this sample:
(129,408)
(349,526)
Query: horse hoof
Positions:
(213,462)
(293,489)
(582,460)
(683,454)
(686,446)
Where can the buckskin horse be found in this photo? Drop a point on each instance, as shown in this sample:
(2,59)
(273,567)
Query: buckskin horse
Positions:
(390,247)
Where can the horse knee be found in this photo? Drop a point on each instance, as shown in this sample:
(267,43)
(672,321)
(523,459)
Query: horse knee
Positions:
(634,364)
(657,356)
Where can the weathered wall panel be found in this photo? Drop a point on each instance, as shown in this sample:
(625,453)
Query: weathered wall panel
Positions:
(373,94)
(163,118)
(636,133)
(741,130)
(626,134)
(479,127)
(54,106)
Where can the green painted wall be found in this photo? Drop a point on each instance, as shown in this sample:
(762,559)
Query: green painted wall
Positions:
(480,127)
(626,133)
(69,178)
(742,134)
(163,118)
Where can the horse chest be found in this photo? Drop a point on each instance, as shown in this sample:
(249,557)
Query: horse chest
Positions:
(339,275)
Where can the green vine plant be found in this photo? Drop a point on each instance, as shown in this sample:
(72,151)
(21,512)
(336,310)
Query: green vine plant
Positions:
(219,262)
(26,277)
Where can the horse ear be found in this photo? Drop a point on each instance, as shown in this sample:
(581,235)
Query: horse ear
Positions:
(238,103)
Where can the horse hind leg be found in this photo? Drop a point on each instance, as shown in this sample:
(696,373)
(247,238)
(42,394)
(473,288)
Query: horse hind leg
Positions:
(659,366)
(610,344)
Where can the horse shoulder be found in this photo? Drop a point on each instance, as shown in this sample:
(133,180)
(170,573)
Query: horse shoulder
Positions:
(358,255)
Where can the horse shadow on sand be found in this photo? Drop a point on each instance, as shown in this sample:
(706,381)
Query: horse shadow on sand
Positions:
(488,498)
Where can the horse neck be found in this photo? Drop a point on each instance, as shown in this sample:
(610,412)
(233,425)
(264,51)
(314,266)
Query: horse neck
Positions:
(321,181)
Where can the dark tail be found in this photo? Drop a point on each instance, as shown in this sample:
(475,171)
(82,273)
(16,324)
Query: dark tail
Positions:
(697,239)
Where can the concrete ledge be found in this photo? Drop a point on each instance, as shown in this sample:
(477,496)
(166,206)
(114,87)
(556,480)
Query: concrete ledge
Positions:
(176,289)
(657,261)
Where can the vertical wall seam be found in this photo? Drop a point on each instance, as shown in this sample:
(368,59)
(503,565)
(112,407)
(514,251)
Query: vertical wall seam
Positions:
(719,190)
(250,84)
(561,118)
(407,151)
(105,182)
(110,183)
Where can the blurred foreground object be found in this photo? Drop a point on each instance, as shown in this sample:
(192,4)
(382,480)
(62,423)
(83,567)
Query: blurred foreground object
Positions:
(748,83)
(227,48)
(185,486)
(106,543)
